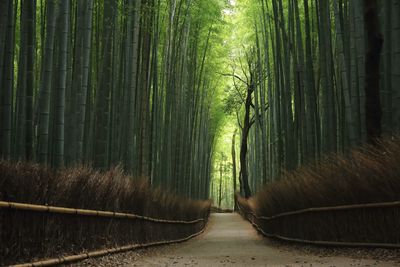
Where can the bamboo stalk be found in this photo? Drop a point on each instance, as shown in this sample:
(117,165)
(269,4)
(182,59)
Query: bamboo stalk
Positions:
(86,212)
(103,252)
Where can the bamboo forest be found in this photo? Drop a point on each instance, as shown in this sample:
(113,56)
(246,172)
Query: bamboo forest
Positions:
(268,128)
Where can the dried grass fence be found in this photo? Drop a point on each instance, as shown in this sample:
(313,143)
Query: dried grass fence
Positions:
(370,225)
(350,200)
(78,210)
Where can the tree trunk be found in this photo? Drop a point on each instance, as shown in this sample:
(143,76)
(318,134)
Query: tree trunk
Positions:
(132,121)
(101,159)
(62,79)
(81,92)
(344,79)
(395,70)
(311,99)
(243,146)
(220,185)
(373,109)
(30,78)
(328,127)
(233,151)
(145,91)
(20,108)
(45,90)
(6,82)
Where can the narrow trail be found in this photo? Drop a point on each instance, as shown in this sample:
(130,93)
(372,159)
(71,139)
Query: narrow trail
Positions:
(231,241)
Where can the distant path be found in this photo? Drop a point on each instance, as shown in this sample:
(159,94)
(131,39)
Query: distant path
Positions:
(231,241)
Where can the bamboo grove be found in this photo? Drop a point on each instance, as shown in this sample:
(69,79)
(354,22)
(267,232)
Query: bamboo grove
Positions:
(107,83)
(149,85)
(304,66)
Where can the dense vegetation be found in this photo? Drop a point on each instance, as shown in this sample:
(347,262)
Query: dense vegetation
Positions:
(304,65)
(366,175)
(108,83)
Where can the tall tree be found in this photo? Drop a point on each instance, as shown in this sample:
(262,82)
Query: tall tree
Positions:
(328,126)
(101,159)
(30,77)
(7,81)
(372,72)
(46,80)
(344,74)
(233,153)
(62,82)
(395,70)
(20,103)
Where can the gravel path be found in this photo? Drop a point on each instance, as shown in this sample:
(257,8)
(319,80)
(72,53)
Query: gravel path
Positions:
(231,241)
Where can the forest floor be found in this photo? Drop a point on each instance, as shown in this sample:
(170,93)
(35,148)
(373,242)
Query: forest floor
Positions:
(231,241)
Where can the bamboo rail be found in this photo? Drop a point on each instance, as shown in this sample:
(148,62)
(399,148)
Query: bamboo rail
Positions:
(99,253)
(322,242)
(333,208)
(86,212)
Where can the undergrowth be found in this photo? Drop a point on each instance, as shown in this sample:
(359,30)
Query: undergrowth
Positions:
(369,174)
(85,188)
(30,235)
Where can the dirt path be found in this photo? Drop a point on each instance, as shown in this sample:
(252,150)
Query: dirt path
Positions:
(231,241)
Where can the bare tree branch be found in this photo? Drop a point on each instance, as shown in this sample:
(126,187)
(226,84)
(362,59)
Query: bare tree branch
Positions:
(238,120)
(242,68)
(238,91)
(252,121)
(235,76)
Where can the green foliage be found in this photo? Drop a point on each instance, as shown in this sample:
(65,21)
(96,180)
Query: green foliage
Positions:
(155,86)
